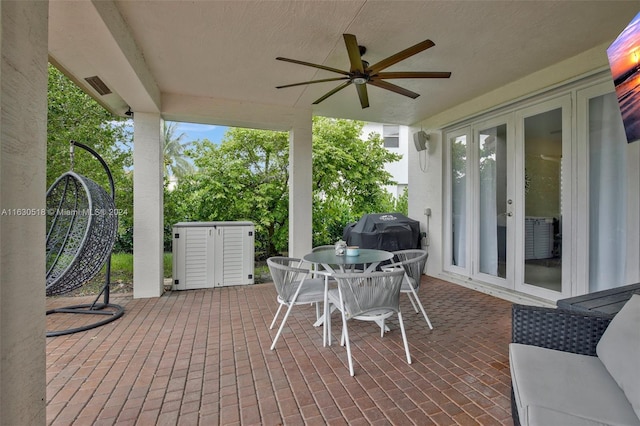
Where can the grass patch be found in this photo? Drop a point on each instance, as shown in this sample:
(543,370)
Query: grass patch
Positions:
(168,265)
(123,263)
(122,275)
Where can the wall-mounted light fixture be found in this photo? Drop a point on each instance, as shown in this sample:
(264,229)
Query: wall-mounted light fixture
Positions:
(129,113)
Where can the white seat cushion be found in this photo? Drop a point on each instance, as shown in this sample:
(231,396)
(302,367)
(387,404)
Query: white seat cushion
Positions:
(547,416)
(552,387)
(312,291)
(619,350)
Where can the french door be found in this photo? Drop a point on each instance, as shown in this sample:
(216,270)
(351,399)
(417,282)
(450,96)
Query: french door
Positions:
(493,192)
(607,249)
(508,184)
(543,216)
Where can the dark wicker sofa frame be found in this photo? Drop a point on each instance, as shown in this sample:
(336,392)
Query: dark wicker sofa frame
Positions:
(559,329)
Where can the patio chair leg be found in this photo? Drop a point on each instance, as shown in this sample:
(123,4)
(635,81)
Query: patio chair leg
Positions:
(415,308)
(284,320)
(328,323)
(345,336)
(404,337)
(424,313)
(329,308)
(275,317)
(326,326)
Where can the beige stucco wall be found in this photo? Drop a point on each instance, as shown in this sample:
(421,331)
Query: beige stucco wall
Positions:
(587,62)
(23,131)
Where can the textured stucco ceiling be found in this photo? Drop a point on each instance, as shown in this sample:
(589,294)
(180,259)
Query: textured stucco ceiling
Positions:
(214,61)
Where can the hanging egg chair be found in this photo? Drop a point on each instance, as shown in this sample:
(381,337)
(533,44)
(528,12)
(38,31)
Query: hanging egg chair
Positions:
(82,224)
(81,231)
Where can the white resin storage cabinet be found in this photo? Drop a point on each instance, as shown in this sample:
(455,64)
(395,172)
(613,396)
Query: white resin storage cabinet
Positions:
(212,254)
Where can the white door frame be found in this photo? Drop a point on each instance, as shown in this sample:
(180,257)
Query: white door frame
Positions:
(563,102)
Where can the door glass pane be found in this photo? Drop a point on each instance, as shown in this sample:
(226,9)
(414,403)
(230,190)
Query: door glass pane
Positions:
(607,194)
(543,195)
(492,163)
(458,200)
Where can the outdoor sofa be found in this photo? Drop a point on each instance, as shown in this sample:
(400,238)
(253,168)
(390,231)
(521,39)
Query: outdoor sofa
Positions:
(572,368)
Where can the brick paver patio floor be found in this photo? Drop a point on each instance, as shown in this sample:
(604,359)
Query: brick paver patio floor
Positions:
(202,357)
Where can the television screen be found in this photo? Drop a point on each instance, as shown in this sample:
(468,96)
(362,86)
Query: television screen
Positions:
(624,62)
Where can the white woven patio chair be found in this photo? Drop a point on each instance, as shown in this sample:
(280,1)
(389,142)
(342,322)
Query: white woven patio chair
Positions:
(295,286)
(413,262)
(372,296)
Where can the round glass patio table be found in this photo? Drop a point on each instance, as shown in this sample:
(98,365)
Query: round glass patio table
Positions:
(328,258)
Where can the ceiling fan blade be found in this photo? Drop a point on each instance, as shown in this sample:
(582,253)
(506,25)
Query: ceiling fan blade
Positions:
(334,91)
(397,89)
(427,74)
(309,64)
(354,52)
(363,95)
(312,81)
(393,59)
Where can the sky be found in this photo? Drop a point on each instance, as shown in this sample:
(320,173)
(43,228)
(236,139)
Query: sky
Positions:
(195,131)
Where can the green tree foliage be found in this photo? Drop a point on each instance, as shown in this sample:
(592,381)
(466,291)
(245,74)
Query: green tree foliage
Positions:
(176,164)
(348,176)
(401,205)
(246,178)
(74,115)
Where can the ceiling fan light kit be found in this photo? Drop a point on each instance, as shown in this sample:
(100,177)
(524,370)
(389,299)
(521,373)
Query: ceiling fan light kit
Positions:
(361,73)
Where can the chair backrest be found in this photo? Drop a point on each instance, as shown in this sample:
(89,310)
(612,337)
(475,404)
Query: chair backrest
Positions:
(286,275)
(326,247)
(413,261)
(362,293)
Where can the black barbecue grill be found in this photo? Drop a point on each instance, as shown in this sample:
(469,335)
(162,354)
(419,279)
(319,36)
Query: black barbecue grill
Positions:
(383,231)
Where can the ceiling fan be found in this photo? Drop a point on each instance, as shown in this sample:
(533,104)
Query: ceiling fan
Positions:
(361,73)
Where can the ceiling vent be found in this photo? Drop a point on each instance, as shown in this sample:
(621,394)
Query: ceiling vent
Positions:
(98,85)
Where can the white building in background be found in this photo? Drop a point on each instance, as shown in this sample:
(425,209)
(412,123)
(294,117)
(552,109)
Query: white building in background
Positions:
(396,140)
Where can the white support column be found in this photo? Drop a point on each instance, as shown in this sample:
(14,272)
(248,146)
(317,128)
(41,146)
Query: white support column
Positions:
(300,190)
(148,213)
(23,138)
